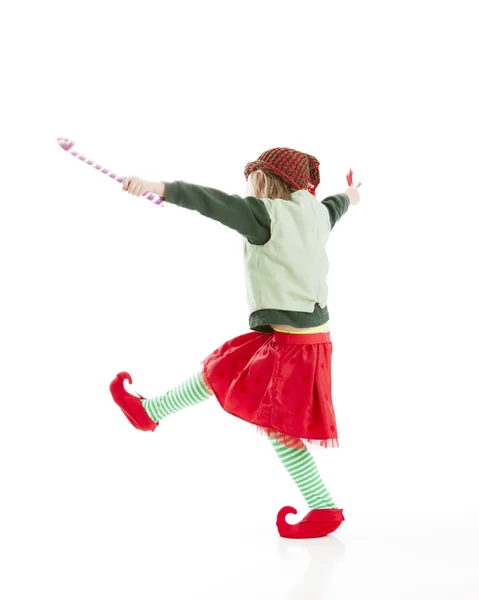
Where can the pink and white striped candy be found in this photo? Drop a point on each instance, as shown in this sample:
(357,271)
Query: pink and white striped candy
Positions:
(67,145)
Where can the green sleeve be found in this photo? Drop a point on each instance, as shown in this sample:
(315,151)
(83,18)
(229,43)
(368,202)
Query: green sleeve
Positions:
(248,216)
(337,205)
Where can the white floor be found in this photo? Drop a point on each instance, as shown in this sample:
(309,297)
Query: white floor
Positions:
(178,556)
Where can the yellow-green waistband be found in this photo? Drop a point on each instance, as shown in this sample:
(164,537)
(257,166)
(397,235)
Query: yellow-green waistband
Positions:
(319,329)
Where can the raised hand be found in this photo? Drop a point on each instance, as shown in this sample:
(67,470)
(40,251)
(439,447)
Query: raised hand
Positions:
(349,179)
(136,186)
(352,192)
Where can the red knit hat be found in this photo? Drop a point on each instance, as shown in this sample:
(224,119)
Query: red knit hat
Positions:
(298,169)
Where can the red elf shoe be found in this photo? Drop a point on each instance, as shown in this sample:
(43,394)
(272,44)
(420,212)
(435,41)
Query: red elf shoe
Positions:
(317,523)
(131,405)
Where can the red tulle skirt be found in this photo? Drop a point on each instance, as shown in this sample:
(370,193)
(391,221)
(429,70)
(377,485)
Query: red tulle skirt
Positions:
(278,382)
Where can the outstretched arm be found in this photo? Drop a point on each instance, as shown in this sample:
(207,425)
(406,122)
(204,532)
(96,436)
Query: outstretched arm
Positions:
(247,216)
(338,204)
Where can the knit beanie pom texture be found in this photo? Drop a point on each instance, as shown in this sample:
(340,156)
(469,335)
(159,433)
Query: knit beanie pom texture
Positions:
(298,169)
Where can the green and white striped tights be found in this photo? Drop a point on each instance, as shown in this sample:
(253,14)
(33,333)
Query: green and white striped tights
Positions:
(298,462)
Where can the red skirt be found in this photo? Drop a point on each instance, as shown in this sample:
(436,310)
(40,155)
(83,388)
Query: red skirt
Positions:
(279,382)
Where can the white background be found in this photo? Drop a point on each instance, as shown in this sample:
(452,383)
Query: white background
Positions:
(96,281)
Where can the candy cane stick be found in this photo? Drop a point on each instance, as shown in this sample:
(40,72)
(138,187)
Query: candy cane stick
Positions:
(67,145)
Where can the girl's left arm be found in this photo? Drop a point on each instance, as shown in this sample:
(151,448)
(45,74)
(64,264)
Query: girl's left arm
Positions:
(248,216)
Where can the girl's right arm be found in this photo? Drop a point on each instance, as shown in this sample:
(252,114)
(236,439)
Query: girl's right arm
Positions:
(338,204)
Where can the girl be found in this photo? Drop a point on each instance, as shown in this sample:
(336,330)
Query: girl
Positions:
(278,376)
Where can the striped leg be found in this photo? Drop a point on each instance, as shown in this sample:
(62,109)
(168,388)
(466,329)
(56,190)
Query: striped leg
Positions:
(299,463)
(190,392)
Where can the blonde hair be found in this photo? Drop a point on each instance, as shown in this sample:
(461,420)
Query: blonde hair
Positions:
(274,186)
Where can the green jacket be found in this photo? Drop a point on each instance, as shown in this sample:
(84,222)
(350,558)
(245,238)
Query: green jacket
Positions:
(252,218)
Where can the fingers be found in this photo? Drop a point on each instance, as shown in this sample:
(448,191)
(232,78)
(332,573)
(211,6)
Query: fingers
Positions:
(134,185)
(139,188)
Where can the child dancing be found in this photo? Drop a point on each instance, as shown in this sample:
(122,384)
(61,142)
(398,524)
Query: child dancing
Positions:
(277,376)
